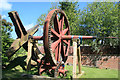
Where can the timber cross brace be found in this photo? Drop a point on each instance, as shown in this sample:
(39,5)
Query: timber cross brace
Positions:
(56,39)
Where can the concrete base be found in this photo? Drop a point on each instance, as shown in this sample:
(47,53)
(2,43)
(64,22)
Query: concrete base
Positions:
(79,75)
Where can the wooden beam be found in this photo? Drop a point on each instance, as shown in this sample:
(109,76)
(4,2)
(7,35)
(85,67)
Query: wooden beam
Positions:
(74,57)
(79,57)
(29,55)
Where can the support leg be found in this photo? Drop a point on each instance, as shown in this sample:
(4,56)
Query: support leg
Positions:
(74,57)
(29,54)
(79,57)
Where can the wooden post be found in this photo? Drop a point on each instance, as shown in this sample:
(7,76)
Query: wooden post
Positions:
(74,57)
(79,57)
(29,54)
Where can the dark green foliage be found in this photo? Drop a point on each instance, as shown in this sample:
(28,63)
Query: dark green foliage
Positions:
(100,19)
(6,40)
(17,61)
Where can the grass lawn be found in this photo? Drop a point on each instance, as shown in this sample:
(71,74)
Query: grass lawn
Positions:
(95,72)
(89,72)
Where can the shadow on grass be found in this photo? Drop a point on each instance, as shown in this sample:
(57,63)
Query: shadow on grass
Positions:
(17,61)
(16,68)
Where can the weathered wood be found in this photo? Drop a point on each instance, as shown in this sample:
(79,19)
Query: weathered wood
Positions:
(29,54)
(79,57)
(37,51)
(19,28)
(22,34)
(15,46)
(74,57)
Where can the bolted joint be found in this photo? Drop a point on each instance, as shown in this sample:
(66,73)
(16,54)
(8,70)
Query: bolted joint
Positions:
(30,37)
(75,40)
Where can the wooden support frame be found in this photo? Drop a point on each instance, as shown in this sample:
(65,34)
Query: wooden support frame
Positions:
(29,54)
(79,56)
(32,47)
(76,57)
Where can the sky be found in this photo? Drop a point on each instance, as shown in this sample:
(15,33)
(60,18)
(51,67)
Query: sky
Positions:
(28,12)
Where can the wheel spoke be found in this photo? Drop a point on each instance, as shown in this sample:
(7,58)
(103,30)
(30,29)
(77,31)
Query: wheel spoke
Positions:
(60,26)
(62,23)
(68,47)
(65,31)
(62,50)
(67,50)
(59,52)
(56,23)
(56,52)
(54,32)
(65,42)
(55,44)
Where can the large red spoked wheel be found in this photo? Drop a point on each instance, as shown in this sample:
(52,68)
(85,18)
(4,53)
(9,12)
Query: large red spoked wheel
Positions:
(56,25)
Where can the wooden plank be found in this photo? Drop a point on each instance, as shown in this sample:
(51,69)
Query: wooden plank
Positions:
(74,57)
(29,54)
(79,57)
(13,48)
(19,28)
(37,51)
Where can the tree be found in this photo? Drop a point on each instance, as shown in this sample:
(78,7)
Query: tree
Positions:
(72,11)
(41,19)
(101,19)
(6,40)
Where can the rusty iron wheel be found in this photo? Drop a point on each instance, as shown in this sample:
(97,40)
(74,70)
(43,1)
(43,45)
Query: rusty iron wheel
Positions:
(56,25)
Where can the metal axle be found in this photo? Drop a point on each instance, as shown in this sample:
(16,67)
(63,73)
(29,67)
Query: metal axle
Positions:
(66,37)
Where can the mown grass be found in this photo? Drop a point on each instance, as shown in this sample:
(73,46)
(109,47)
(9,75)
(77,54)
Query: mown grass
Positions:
(95,72)
(89,72)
